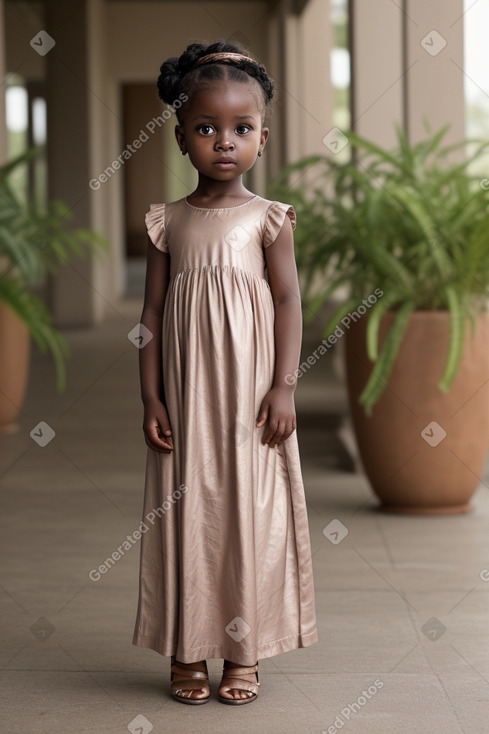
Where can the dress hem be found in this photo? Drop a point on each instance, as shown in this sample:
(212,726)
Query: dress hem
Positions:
(208,652)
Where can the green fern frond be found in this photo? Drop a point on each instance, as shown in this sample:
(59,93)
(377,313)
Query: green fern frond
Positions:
(376,314)
(382,369)
(456,339)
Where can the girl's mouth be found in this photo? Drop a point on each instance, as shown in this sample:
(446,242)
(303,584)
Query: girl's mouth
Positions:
(225,163)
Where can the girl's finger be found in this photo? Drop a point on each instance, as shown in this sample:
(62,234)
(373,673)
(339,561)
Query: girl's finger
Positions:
(285,436)
(167,440)
(157,441)
(275,434)
(268,433)
(164,435)
(159,447)
(289,431)
(277,437)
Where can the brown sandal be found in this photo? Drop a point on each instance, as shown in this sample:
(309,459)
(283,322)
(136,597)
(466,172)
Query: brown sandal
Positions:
(237,679)
(188,680)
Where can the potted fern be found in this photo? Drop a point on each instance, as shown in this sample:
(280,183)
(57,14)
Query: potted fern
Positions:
(33,243)
(403,235)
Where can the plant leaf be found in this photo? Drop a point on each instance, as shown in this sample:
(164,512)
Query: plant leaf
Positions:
(382,368)
(378,310)
(456,339)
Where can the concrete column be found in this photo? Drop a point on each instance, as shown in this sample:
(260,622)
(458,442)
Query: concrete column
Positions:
(315,93)
(407,63)
(302,62)
(76,292)
(3,126)
(434,61)
(290,89)
(108,274)
(68,143)
(377,79)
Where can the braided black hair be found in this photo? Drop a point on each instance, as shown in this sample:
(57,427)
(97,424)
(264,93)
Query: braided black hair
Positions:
(180,76)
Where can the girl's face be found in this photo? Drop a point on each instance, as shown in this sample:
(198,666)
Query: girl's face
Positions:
(222,130)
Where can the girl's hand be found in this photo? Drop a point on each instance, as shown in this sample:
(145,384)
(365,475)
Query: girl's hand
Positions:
(156,427)
(277,407)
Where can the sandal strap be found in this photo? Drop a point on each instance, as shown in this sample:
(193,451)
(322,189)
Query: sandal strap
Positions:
(188,674)
(233,677)
(237,671)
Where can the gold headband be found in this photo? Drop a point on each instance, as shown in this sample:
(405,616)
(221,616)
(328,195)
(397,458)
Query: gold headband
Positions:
(224,56)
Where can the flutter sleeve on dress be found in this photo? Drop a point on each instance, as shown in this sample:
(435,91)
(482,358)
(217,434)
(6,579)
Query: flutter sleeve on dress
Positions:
(276,213)
(155,224)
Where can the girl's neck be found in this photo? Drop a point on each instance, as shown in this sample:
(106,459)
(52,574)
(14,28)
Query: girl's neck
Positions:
(209,191)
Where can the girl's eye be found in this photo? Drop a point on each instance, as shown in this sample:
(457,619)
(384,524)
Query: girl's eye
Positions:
(243,129)
(206,129)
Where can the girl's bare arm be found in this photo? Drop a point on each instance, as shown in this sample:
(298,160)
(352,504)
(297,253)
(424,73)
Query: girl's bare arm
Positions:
(278,405)
(156,422)
(284,285)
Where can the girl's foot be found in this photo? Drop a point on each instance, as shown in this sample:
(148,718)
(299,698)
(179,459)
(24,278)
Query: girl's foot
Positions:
(189,682)
(239,683)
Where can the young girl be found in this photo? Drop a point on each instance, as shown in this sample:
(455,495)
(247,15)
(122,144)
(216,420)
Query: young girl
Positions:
(226,568)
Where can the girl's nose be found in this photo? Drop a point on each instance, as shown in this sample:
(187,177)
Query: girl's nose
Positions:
(224,143)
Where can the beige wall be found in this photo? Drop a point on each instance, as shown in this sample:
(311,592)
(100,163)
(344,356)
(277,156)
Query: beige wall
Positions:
(74,297)
(435,84)
(396,79)
(143,34)
(108,275)
(377,69)
(315,93)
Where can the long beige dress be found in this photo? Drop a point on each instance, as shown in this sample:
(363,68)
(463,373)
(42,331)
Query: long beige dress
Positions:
(225,566)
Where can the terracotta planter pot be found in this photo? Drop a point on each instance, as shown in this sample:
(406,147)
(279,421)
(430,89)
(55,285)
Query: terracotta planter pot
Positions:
(412,465)
(14,367)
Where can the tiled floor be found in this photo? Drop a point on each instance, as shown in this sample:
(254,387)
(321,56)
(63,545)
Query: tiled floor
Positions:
(67,661)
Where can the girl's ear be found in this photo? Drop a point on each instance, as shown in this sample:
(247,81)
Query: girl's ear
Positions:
(264,136)
(179,134)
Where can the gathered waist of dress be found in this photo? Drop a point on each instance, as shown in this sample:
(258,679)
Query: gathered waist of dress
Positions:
(217,270)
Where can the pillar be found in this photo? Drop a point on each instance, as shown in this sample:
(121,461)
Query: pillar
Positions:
(407,63)
(80,293)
